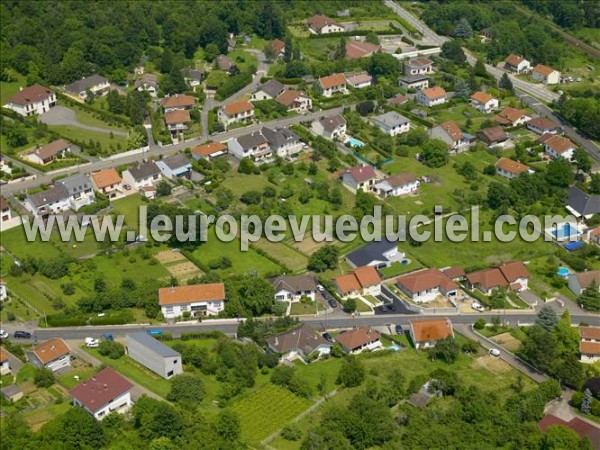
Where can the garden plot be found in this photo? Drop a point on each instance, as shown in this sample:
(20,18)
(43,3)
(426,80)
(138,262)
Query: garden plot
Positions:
(508,341)
(178,265)
(493,364)
(308,246)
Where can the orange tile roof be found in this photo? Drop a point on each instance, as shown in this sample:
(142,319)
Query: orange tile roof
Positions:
(52,149)
(288,97)
(431,329)
(589,348)
(51,350)
(542,123)
(367,276)
(209,149)
(3,355)
(401,179)
(337,79)
(190,294)
(453,130)
(488,278)
(557,143)
(106,178)
(356,338)
(509,115)
(454,272)
(434,92)
(347,283)
(514,60)
(482,97)
(277,45)
(589,333)
(514,270)
(509,165)
(319,22)
(177,116)
(237,107)
(426,279)
(178,101)
(543,70)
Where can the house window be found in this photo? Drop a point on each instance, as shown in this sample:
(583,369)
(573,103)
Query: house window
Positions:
(174,361)
(169,374)
(169,310)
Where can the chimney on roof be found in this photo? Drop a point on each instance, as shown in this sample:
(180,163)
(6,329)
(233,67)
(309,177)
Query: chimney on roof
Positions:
(105,386)
(20,88)
(52,348)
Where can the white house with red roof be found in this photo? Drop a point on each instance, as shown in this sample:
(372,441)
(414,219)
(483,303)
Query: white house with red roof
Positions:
(516,63)
(557,146)
(508,168)
(105,393)
(425,285)
(397,185)
(198,299)
(362,281)
(359,178)
(589,344)
(451,134)
(432,96)
(484,102)
(545,74)
(332,84)
(319,24)
(32,100)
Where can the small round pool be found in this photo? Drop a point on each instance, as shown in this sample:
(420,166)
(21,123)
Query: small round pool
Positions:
(405,262)
(394,347)
(563,272)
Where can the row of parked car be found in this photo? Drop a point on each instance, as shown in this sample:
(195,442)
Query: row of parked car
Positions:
(17,334)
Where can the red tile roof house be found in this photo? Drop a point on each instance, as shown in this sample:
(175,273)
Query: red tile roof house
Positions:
(581,427)
(362,281)
(484,102)
(293,100)
(49,152)
(426,285)
(318,24)
(302,343)
(512,117)
(359,178)
(359,339)
(209,151)
(516,63)
(451,134)
(105,393)
(278,47)
(513,275)
(545,74)
(329,85)
(557,146)
(32,100)
(178,102)
(432,96)
(426,333)
(54,354)
(541,125)
(589,346)
(360,80)
(177,121)
(107,182)
(234,112)
(198,299)
(508,168)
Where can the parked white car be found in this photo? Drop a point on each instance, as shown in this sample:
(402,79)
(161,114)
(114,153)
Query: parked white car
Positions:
(3,334)
(494,352)
(320,288)
(91,342)
(477,306)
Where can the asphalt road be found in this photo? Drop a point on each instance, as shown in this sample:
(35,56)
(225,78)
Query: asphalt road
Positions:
(326,321)
(155,150)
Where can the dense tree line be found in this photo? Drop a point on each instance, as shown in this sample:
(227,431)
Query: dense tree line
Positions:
(568,14)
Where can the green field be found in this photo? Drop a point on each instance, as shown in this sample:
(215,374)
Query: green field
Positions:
(267,410)
(288,256)
(88,118)
(243,59)
(9,89)
(81,135)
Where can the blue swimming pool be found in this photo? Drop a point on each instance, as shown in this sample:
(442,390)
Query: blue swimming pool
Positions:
(563,272)
(564,231)
(353,142)
(394,347)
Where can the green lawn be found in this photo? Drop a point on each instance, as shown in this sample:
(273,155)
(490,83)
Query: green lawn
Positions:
(81,135)
(9,89)
(129,207)
(88,118)
(242,262)
(84,373)
(267,410)
(216,78)
(131,369)
(286,255)
(299,309)
(243,59)
(398,269)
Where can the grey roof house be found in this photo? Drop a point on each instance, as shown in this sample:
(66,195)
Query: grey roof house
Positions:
(282,141)
(376,253)
(69,193)
(582,204)
(175,166)
(153,354)
(392,123)
(293,288)
(96,84)
(300,343)
(268,90)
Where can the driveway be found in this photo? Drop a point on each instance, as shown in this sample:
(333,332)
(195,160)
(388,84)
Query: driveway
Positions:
(61,115)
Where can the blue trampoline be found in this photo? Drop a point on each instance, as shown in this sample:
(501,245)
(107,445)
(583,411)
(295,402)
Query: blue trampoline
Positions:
(574,245)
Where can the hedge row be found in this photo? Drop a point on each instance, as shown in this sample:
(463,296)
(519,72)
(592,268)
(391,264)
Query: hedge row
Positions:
(114,318)
(215,334)
(354,33)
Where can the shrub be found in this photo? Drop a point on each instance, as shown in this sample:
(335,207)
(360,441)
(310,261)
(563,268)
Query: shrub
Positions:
(186,389)
(112,349)
(480,323)
(291,433)
(43,378)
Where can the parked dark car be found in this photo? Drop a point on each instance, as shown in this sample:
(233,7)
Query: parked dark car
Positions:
(399,329)
(22,335)
(332,303)
(328,337)
(392,307)
(383,308)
